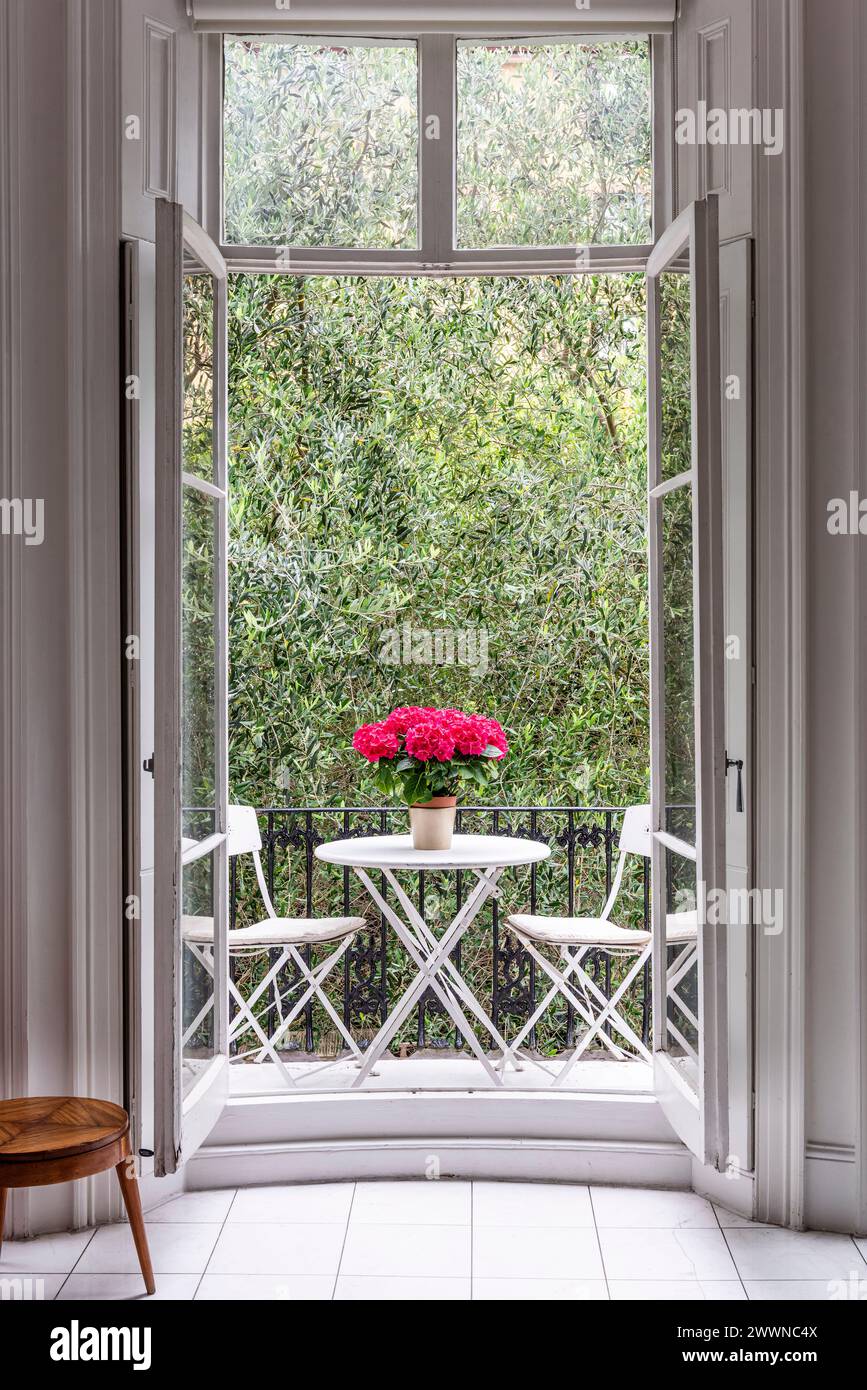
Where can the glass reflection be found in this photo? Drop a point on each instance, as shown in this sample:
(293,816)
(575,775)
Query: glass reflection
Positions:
(675,374)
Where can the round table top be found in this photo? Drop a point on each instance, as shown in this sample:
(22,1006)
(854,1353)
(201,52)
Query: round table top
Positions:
(467,852)
(48,1127)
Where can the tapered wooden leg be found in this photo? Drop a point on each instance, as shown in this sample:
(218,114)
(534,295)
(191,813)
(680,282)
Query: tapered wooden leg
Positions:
(3,1191)
(132,1201)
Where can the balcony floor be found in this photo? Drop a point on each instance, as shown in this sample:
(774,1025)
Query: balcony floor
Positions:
(399,1241)
(441,1073)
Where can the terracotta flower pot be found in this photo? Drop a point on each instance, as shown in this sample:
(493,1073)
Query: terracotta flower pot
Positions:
(433,822)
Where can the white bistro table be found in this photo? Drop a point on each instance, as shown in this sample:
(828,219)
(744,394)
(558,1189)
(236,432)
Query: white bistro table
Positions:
(486,856)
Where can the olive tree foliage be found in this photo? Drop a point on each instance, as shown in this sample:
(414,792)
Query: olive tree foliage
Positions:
(320,144)
(554,144)
(462,457)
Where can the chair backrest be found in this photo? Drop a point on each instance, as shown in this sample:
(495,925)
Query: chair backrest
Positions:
(242,836)
(634,839)
(635,832)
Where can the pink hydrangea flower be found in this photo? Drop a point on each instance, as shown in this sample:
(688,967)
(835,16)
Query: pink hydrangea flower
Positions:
(402,719)
(375,741)
(430,739)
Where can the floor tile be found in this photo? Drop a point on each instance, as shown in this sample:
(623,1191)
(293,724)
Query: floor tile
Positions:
(278,1249)
(644,1209)
(370,1289)
(56,1254)
(265,1288)
(313,1204)
(686,1253)
(30,1288)
(109,1287)
(412,1203)
(193,1206)
(401,1249)
(733,1220)
(531,1204)
(676,1290)
(539,1290)
(536,1252)
(176,1248)
(807,1290)
(778,1254)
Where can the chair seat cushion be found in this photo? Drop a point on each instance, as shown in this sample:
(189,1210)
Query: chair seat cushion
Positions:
(681,926)
(578,931)
(275,931)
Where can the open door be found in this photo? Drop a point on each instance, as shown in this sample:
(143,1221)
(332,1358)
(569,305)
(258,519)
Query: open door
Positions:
(687,644)
(190,759)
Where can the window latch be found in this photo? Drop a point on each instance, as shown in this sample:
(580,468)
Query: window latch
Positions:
(739,795)
(148,765)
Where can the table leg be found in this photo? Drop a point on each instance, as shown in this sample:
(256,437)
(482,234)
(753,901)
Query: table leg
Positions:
(428,975)
(132,1201)
(3,1194)
(487,881)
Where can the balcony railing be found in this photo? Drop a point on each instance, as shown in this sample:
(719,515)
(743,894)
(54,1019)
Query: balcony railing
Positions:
(575,881)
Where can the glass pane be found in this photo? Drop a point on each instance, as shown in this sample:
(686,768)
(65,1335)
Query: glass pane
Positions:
(683,1018)
(554,143)
(675,374)
(198,747)
(320,143)
(678,663)
(198,428)
(197,984)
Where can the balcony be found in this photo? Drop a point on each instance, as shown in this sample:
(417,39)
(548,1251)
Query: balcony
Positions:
(428,1051)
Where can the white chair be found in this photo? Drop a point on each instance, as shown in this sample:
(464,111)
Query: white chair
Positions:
(575,937)
(285,934)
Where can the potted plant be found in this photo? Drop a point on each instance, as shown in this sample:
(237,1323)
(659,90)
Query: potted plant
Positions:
(424,756)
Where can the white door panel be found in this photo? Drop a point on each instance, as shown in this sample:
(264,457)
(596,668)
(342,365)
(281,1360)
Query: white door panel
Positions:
(687,682)
(191,697)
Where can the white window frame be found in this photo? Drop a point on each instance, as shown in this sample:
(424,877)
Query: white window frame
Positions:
(438,253)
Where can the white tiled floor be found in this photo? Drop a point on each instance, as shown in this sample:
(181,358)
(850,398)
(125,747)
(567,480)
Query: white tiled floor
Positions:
(444,1240)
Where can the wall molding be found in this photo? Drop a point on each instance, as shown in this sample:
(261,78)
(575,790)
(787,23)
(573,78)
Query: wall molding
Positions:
(13,712)
(93,405)
(781,619)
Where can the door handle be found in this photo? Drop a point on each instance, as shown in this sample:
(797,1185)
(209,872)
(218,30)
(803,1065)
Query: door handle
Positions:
(739,794)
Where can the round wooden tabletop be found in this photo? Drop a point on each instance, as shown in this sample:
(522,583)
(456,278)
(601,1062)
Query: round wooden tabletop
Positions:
(46,1127)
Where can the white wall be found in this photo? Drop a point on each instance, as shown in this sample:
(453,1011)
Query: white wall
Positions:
(61,925)
(835,49)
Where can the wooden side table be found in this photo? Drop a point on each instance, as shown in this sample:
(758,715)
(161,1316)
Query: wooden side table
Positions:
(48,1139)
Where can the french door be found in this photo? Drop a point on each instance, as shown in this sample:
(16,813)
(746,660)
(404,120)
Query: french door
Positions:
(687,644)
(190,758)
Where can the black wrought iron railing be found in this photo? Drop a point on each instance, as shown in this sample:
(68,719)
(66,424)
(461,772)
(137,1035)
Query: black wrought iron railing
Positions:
(574,881)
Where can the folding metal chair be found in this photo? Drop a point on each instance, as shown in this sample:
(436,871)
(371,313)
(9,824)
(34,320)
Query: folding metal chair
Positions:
(285,934)
(575,937)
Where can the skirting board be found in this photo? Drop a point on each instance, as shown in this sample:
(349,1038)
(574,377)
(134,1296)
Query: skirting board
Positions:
(541,1160)
(831,1189)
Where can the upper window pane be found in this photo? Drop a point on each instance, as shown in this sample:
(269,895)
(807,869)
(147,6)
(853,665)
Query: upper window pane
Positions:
(554,143)
(320,143)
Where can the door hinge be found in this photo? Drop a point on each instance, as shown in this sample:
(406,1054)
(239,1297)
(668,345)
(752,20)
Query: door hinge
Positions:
(148,765)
